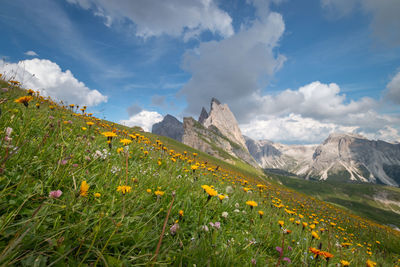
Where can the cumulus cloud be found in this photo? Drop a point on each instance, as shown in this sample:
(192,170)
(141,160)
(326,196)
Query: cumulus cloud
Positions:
(31,53)
(393,89)
(154,18)
(315,100)
(234,69)
(385,21)
(144,119)
(47,77)
(292,128)
(315,110)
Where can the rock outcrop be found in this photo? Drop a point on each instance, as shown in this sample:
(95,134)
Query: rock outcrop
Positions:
(211,141)
(170,127)
(221,117)
(344,157)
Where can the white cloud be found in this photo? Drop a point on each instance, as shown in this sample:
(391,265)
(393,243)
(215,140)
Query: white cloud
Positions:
(292,128)
(315,100)
(31,53)
(234,69)
(385,19)
(154,17)
(47,77)
(393,89)
(144,119)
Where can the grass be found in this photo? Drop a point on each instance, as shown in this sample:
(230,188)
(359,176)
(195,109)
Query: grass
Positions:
(356,197)
(53,148)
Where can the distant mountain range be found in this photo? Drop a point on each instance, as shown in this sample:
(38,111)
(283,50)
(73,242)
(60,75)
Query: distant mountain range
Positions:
(342,157)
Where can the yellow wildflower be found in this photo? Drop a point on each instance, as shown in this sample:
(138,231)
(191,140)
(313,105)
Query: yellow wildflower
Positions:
(84,189)
(97,195)
(159,193)
(251,203)
(125,141)
(24,100)
(124,189)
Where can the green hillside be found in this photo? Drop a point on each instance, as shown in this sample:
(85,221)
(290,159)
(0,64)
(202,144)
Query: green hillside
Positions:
(377,202)
(79,191)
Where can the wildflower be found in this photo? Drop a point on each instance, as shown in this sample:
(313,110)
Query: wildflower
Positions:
(174,228)
(229,189)
(205,228)
(287,259)
(55,194)
(84,189)
(261,213)
(221,197)
(216,225)
(109,134)
(125,142)
(37,105)
(254,262)
(251,203)
(159,193)
(326,255)
(24,100)
(344,263)
(210,191)
(224,214)
(84,128)
(314,235)
(120,149)
(181,213)
(279,249)
(371,263)
(281,223)
(148,190)
(97,195)
(90,123)
(124,189)
(194,167)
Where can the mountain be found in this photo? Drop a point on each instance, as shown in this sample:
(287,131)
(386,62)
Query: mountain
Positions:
(344,157)
(358,159)
(169,126)
(217,133)
(222,118)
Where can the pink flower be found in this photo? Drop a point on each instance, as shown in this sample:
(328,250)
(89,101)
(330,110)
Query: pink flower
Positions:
(174,228)
(254,261)
(287,259)
(55,194)
(8,131)
(279,249)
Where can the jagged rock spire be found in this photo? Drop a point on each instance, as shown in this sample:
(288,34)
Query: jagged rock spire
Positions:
(203,115)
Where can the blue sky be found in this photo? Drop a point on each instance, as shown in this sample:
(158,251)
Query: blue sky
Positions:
(291,71)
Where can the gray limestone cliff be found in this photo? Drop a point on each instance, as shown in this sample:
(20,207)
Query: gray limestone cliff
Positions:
(170,127)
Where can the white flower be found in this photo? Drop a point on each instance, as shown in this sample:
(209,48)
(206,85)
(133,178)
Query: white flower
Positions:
(205,228)
(236,210)
(224,214)
(229,190)
(237,205)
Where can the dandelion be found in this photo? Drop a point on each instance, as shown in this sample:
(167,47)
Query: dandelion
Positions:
(24,100)
(97,195)
(314,235)
(55,194)
(261,213)
(84,189)
(251,203)
(124,189)
(159,193)
(221,197)
(344,263)
(210,191)
(125,142)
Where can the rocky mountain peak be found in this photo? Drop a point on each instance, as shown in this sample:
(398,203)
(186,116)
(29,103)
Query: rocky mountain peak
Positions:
(222,118)
(203,115)
(169,126)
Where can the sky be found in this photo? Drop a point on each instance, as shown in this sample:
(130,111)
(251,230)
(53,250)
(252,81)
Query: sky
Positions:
(290,71)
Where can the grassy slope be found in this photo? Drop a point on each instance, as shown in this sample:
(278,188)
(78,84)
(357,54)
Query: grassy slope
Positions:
(49,150)
(358,198)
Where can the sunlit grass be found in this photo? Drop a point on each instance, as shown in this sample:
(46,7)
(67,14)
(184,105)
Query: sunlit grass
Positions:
(117,195)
